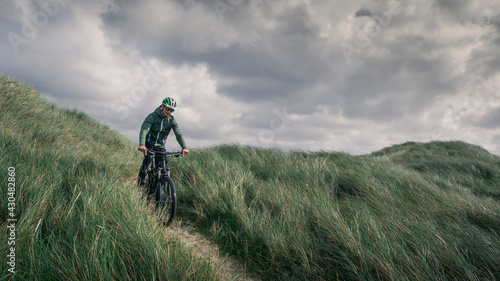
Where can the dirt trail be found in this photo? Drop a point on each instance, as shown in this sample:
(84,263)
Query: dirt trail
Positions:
(230,268)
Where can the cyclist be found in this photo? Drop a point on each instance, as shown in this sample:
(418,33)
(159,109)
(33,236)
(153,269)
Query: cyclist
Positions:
(154,132)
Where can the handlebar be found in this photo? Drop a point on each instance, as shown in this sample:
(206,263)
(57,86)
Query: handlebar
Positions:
(173,153)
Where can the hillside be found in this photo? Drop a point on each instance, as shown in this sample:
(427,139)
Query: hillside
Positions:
(415,211)
(410,212)
(75,216)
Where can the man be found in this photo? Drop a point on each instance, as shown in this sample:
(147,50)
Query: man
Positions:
(154,132)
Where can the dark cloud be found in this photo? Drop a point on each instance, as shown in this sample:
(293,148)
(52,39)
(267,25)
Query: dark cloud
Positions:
(484,60)
(495,21)
(453,7)
(283,55)
(390,87)
(363,12)
(490,120)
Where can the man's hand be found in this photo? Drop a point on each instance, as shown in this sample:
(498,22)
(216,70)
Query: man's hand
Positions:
(184,152)
(143,149)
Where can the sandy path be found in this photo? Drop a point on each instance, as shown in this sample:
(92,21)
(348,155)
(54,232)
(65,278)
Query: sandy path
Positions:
(230,268)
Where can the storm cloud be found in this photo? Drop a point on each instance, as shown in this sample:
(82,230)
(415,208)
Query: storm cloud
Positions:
(354,76)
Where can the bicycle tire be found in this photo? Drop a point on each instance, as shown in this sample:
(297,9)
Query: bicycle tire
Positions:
(166,200)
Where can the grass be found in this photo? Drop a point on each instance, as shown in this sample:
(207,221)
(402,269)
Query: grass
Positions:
(410,212)
(415,211)
(77,219)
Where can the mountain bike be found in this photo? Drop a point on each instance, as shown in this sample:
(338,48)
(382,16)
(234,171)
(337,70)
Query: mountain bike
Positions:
(159,182)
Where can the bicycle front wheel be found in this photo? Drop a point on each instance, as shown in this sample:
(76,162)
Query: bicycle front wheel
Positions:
(166,200)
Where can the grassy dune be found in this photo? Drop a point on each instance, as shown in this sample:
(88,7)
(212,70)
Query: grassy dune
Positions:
(416,211)
(409,212)
(76,217)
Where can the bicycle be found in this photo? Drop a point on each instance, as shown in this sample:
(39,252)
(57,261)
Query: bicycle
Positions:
(158,180)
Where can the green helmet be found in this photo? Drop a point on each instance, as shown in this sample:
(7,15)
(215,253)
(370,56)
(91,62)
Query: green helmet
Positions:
(169,102)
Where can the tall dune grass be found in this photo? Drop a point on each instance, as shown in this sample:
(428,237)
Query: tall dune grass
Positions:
(411,212)
(77,218)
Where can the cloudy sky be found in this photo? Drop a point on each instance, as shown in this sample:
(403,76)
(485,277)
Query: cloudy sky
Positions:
(353,76)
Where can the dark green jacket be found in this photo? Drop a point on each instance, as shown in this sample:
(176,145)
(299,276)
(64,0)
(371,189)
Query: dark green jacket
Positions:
(156,128)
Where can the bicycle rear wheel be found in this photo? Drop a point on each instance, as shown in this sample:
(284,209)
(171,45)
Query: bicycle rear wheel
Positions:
(166,200)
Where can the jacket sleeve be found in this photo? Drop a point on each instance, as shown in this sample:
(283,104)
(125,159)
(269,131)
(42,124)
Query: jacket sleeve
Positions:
(178,134)
(145,127)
